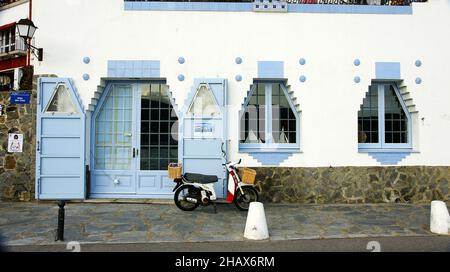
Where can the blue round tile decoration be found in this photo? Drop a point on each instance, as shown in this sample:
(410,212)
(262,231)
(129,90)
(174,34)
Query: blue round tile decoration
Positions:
(181,77)
(86,76)
(86,60)
(357,79)
(302,78)
(418,80)
(356,62)
(181,60)
(238,78)
(302,61)
(238,60)
(418,63)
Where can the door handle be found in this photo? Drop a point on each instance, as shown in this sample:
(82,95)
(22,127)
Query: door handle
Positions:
(134,152)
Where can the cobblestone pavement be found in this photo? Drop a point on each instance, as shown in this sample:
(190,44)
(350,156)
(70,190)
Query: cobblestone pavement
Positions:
(35,223)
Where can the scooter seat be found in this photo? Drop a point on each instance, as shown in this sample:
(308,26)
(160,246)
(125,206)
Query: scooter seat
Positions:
(199,178)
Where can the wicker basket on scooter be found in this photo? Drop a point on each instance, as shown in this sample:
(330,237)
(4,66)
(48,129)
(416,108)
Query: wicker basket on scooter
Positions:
(175,170)
(248,175)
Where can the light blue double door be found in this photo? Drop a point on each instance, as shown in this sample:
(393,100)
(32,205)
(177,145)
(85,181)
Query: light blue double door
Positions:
(134,138)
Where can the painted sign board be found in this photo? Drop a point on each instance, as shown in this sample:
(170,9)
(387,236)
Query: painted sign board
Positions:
(20,98)
(15,143)
(203,128)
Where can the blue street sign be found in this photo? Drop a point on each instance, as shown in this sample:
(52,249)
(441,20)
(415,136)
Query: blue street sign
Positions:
(20,98)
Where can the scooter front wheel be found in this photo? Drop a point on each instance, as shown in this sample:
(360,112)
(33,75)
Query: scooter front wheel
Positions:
(242,201)
(184,197)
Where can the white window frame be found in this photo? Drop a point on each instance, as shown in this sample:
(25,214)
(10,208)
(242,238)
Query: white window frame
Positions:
(269,145)
(381,120)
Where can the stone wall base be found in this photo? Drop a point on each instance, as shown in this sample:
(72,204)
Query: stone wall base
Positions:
(348,185)
(17,170)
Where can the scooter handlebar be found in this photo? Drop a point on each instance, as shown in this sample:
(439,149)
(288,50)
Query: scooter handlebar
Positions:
(239,162)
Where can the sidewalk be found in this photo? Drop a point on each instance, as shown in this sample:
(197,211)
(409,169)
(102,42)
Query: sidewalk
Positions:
(35,223)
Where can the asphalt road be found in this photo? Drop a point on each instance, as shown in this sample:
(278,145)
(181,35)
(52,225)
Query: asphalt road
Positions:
(383,244)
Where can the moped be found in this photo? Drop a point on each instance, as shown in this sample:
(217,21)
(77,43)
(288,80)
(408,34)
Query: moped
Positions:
(193,190)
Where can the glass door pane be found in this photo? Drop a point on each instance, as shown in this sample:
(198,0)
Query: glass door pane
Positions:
(113,130)
(159,123)
(204,103)
(61,102)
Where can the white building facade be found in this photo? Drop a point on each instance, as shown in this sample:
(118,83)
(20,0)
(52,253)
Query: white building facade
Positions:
(298,88)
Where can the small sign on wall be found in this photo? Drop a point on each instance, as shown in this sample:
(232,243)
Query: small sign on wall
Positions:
(20,98)
(204,127)
(15,143)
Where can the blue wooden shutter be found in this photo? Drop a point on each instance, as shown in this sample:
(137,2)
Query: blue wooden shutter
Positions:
(60,141)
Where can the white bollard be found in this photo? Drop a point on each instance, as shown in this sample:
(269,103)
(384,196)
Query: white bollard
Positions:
(256,226)
(439,219)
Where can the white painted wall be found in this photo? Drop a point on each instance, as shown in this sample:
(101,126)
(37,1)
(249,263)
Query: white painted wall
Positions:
(210,41)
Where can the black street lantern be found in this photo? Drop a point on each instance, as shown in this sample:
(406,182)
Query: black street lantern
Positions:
(26,29)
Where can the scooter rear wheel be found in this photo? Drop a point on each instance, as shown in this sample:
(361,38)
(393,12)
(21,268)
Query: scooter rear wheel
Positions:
(242,201)
(181,195)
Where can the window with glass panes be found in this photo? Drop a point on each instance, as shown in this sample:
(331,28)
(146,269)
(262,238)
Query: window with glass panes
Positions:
(253,128)
(368,117)
(204,104)
(159,128)
(383,120)
(269,118)
(284,122)
(8,40)
(61,101)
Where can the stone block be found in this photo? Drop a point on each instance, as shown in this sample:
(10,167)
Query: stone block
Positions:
(10,163)
(8,192)
(12,113)
(24,196)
